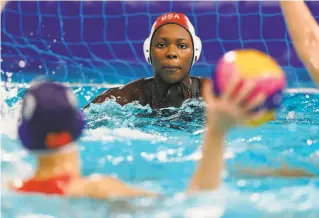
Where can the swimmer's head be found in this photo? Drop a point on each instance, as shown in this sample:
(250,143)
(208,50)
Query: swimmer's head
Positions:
(50,117)
(172,47)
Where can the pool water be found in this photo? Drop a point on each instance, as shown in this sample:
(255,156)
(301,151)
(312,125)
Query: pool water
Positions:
(158,151)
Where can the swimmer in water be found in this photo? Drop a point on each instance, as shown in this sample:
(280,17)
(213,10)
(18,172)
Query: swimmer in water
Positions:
(172,48)
(304,32)
(51,124)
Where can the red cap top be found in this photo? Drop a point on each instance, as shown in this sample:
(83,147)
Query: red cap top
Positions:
(177,18)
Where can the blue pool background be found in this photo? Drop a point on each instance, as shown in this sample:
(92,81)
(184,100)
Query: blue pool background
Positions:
(102,41)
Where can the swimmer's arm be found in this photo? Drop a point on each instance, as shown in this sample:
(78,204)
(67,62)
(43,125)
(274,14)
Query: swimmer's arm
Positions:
(304,32)
(208,173)
(122,95)
(100,187)
(117,188)
(283,171)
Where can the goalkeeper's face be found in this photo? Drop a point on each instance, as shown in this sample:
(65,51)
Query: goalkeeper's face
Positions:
(172,53)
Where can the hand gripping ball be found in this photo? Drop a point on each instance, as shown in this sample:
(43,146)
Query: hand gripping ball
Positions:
(257,67)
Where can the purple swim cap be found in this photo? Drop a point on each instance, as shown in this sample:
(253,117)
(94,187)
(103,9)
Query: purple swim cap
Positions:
(50,117)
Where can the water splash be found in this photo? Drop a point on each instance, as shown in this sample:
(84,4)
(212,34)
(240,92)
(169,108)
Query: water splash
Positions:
(158,150)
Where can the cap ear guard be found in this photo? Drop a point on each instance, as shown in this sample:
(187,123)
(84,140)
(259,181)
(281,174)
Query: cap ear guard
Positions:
(197,48)
(147,49)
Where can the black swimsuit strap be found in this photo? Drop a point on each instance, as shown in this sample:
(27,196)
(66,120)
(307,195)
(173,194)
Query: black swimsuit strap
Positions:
(192,92)
(195,88)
